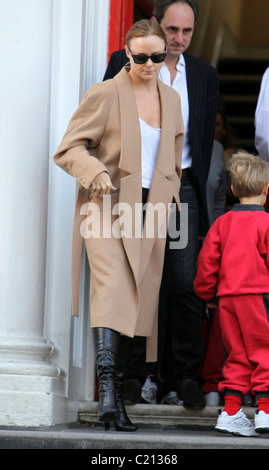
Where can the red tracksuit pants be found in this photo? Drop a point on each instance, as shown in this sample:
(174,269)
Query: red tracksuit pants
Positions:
(244,322)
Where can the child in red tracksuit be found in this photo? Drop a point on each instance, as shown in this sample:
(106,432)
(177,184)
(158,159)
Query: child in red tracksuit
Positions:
(233,270)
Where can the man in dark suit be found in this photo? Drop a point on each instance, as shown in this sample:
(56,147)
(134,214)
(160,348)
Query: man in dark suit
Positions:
(197,83)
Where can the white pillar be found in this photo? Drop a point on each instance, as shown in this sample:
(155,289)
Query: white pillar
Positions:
(30,383)
(66,93)
(79,59)
(51,51)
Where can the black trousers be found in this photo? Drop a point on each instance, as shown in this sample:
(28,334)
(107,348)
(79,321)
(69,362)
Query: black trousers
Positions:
(183,349)
(180,347)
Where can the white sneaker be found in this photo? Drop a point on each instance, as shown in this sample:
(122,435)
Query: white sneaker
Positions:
(171,399)
(212,399)
(149,391)
(236,424)
(261,421)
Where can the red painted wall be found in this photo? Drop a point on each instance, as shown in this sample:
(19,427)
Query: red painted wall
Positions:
(120,21)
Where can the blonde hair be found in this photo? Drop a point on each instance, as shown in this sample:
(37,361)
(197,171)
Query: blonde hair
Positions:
(145,28)
(249,174)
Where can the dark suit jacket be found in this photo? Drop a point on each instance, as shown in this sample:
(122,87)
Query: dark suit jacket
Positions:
(203,93)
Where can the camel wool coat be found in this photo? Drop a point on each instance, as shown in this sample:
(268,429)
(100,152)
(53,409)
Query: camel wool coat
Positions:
(126,269)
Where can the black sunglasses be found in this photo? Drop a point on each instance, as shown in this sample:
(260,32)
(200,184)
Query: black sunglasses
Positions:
(142,58)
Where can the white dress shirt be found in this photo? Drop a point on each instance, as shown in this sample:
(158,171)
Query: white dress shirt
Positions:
(180,85)
(262,119)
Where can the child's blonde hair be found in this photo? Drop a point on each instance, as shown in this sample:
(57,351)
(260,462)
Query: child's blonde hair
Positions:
(249,174)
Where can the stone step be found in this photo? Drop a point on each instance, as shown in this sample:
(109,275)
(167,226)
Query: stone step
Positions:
(162,430)
(146,441)
(163,415)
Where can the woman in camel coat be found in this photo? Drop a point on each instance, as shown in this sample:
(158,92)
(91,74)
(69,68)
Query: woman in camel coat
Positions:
(102,150)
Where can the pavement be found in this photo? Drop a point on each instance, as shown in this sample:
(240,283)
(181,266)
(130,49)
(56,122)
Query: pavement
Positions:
(190,430)
(76,436)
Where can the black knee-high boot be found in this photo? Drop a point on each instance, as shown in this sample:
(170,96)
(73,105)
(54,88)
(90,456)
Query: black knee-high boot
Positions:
(106,345)
(123,423)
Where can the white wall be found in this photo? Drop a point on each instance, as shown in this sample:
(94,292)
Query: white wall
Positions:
(45,69)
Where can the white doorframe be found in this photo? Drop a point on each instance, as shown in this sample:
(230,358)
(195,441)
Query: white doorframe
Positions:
(79,59)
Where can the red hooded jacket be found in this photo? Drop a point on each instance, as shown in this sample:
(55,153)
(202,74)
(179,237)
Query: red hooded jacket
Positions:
(234,259)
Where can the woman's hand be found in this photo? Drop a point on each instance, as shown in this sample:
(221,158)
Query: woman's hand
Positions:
(102,184)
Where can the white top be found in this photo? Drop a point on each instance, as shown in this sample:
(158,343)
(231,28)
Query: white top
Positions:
(262,119)
(150,138)
(180,85)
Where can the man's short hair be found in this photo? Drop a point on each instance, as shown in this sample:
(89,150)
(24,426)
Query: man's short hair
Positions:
(249,174)
(161,6)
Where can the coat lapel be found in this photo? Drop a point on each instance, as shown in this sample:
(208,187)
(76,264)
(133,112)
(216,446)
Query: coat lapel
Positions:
(130,129)
(130,162)
(161,191)
(130,158)
(195,88)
